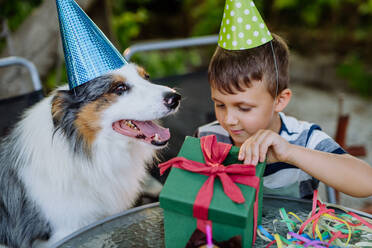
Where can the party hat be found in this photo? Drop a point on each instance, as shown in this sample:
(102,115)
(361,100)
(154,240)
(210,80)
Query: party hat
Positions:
(88,53)
(242,26)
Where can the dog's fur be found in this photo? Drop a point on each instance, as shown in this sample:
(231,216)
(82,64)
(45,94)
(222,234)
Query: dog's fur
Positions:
(64,165)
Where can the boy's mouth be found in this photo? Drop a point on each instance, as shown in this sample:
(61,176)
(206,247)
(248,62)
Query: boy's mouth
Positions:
(236,131)
(147,131)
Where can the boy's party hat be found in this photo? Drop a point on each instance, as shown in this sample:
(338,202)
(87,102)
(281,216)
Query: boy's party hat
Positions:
(242,26)
(88,53)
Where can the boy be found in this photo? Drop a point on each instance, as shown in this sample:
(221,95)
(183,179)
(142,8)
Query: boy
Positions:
(249,88)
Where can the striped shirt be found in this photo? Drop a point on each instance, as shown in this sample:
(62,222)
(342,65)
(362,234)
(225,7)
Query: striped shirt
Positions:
(282,178)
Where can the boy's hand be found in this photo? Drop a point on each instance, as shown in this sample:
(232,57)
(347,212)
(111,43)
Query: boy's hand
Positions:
(262,143)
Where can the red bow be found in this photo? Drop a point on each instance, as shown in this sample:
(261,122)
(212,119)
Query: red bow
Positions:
(214,154)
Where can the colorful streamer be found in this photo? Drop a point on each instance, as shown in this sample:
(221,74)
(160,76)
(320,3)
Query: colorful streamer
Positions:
(323,228)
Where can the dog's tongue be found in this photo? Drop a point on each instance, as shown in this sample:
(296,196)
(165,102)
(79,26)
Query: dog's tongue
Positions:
(149,129)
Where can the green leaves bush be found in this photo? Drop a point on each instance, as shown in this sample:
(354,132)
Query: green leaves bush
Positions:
(355,72)
(345,25)
(16,11)
(165,63)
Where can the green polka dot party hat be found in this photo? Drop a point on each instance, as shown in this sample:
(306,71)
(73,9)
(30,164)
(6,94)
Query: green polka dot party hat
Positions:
(242,26)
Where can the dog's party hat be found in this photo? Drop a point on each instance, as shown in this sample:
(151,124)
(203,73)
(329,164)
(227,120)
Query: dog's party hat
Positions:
(88,53)
(242,26)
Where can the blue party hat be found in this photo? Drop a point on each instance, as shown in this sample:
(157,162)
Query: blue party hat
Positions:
(88,52)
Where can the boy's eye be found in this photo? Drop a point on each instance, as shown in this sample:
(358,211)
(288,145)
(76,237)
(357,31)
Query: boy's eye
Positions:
(219,105)
(245,109)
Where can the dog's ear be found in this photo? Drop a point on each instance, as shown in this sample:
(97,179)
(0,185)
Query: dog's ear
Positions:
(59,106)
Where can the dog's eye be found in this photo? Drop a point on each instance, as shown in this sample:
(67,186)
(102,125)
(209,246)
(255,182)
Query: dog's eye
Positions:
(120,89)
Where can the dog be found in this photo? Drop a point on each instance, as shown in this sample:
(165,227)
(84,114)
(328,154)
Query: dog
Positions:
(79,155)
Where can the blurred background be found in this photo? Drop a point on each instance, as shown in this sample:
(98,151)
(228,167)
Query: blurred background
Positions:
(330,63)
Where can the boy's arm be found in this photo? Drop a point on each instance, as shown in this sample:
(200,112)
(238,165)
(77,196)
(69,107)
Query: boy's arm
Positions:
(344,172)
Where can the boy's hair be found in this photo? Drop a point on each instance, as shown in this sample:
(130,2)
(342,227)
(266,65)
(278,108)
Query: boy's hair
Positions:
(233,70)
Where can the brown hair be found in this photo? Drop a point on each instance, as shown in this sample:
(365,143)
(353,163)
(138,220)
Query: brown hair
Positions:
(231,70)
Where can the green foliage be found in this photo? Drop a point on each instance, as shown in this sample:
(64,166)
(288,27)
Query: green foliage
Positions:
(365,8)
(317,13)
(285,4)
(206,15)
(308,12)
(340,20)
(51,81)
(354,71)
(165,63)
(16,11)
(2,44)
(127,25)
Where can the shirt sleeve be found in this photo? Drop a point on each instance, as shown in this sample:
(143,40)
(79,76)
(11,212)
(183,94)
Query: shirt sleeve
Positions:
(321,141)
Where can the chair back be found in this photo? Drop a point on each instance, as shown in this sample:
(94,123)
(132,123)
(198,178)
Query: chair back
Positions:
(11,109)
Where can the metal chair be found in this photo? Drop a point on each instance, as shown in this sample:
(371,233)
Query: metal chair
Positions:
(12,108)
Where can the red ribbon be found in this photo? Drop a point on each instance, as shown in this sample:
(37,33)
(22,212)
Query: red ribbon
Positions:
(214,154)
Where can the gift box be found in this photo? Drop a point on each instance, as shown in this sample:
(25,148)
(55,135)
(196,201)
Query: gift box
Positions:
(194,194)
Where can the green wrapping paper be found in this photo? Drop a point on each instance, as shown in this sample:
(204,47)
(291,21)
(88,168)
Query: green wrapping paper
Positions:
(229,218)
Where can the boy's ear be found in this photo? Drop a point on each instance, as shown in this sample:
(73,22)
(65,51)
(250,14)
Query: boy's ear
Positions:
(282,100)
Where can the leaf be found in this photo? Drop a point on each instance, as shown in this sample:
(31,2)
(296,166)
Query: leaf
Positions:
(285,4)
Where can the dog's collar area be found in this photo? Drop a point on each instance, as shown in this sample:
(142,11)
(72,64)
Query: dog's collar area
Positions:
(146,131)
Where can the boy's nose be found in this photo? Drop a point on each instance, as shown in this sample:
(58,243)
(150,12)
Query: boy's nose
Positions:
(230,119)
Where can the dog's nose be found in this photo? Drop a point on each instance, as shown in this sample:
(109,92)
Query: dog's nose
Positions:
(172,99)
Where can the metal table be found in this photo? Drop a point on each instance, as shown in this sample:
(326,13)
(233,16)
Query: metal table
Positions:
(143,226)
